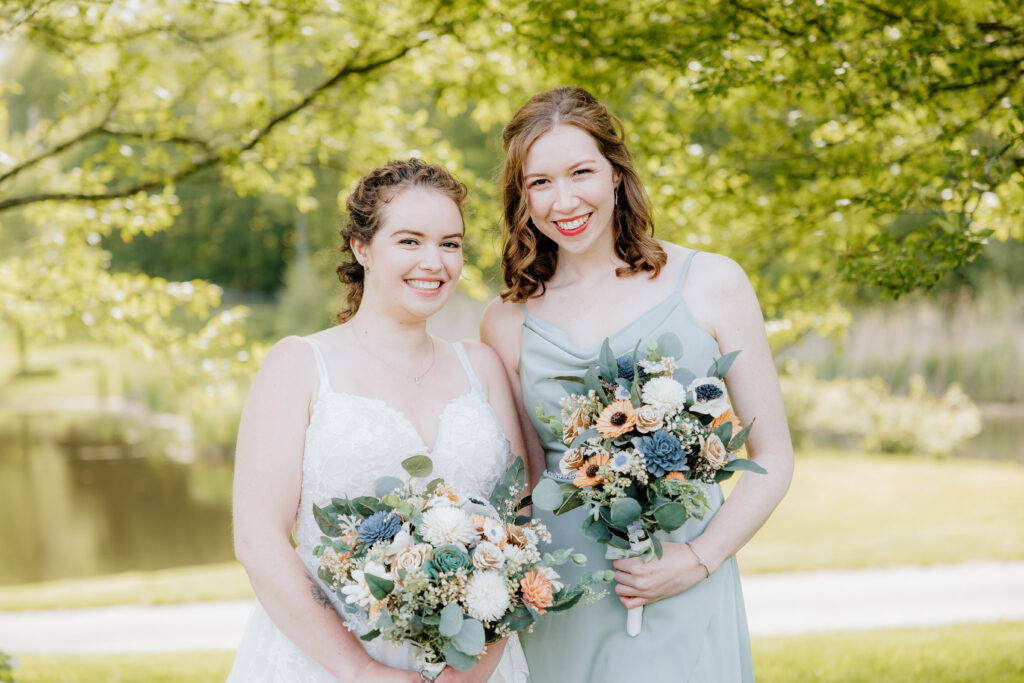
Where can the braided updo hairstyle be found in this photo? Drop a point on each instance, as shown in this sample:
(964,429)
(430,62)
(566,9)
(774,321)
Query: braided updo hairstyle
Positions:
(365,205)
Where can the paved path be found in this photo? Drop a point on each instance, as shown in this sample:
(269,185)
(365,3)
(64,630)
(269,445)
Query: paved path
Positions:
(777,604)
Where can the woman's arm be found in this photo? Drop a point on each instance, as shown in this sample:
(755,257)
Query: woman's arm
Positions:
(268,481)
(492,373)
(501,329)
(724,301)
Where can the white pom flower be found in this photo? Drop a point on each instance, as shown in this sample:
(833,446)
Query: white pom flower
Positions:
(666,394)
(447,525)
(486,596)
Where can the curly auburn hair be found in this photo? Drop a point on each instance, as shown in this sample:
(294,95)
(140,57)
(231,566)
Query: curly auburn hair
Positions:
(364,207)
(528,258)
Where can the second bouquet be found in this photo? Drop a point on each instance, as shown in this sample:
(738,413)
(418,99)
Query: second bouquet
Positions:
(642,447)
(444,571)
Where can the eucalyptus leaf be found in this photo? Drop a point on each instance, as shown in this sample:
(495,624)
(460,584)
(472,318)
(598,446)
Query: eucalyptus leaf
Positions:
(514,477)
(583,436)
(743,465)
(670,516)
(724,432)
(386,485)
(418,466)
(617,541)
(624,511)
(566,603)
(741,438)
(365,505)
(609,366)
(593,383)
(516,621)
(451,620)
(370,635)
(326,522)
(669,345)
(547,495)
(569,378)
(595,530)
(471,638)
(656,544)
(457,659)
(573,501)
(720,367)
(380,588)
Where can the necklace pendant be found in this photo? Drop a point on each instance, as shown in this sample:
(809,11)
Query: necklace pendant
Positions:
(417,380)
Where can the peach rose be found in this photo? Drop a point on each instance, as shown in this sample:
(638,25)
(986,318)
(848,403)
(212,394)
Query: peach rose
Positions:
(488,556)
(412,557)
(571,460)
(649,419)
(537,591)
(516,535)
(578,422)
(713,450)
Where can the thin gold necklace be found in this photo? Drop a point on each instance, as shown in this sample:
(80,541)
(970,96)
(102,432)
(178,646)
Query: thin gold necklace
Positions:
(414,378)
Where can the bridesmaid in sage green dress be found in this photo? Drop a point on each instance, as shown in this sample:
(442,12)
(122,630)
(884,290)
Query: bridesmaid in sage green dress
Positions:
(581,264)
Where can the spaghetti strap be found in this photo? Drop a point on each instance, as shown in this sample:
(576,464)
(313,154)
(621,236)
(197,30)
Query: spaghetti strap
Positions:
(321,368)
(474,381)
(685,269)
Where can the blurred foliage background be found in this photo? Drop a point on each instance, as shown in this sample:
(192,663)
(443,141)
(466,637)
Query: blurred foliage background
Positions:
(173,173)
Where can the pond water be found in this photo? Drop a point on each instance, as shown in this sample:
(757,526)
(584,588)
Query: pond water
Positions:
(80,500)
(90,497)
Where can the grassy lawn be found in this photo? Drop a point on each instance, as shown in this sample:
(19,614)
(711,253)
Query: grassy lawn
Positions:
(842,511)
(851,511)
(953,654)
(210,582)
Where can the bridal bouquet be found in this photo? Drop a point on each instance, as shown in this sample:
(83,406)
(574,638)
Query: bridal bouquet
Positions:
(642,445)
(447,573)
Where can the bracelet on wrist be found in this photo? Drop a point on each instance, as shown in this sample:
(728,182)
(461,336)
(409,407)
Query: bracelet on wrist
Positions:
(700,560)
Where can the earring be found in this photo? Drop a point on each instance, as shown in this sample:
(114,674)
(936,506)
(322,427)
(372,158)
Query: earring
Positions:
(615,196)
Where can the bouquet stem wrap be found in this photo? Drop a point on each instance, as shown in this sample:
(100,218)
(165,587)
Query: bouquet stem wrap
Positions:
(639,546)
(429,671)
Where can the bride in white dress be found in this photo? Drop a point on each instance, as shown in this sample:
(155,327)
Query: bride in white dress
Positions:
(330,413)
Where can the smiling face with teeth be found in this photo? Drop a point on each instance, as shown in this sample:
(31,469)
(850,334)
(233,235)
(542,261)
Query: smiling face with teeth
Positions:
(415,258)
(570,189)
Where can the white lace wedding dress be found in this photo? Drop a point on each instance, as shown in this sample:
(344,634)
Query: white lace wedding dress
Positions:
(350,442)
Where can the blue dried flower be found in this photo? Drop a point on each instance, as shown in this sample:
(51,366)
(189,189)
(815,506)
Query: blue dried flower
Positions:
(662,452)
(380,526)
(625,363)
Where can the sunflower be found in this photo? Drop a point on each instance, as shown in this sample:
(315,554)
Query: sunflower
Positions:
(586,475)
(616,419)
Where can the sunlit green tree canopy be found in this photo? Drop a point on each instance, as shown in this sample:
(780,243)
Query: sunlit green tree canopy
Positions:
(828,146)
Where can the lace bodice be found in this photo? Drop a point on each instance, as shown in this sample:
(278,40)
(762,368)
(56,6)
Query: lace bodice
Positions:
(353,440)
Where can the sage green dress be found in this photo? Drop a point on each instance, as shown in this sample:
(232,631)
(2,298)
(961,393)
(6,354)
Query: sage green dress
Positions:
(699,635)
